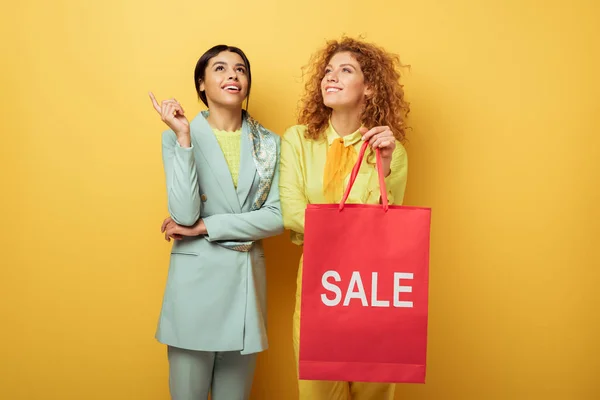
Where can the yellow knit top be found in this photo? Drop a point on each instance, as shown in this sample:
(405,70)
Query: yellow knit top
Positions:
(230,143)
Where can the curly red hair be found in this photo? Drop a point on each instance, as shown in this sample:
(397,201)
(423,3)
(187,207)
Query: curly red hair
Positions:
(386,107)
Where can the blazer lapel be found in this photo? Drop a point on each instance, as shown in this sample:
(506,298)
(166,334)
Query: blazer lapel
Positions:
(210,149)
(247,166)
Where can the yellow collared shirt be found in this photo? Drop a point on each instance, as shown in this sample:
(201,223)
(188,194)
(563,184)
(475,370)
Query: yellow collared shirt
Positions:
(301,176)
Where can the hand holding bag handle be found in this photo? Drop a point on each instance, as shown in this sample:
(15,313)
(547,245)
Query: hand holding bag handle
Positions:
(354,174)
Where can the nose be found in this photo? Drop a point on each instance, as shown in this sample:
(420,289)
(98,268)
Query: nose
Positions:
(332,77)
(233,75)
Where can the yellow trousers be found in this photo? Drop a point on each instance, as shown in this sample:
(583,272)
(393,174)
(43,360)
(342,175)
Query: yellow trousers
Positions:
(330,390)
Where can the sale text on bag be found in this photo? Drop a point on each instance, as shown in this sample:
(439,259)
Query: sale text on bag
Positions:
(356,290)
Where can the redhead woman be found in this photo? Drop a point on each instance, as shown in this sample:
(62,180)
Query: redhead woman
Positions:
(353,95)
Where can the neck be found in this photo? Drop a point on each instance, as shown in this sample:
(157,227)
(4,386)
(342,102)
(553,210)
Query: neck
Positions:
(345,122)
(225,119)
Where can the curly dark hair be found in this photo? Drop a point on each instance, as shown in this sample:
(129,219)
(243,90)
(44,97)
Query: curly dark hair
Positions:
(385,107)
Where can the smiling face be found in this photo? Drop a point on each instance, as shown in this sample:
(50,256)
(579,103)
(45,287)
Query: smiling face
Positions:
(225,81)
(343,86)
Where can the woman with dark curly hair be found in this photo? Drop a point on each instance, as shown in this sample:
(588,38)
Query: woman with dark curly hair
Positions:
(353,95)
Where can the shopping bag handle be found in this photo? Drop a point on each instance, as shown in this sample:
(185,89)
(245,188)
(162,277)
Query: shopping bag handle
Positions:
(354,174)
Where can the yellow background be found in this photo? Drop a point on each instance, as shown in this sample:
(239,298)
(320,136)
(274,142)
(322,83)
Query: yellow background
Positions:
(505,149)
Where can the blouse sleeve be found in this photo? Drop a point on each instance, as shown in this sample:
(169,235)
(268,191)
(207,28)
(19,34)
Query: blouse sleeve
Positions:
(291,184)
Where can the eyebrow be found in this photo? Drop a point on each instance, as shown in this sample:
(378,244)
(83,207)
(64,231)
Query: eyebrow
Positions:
(224,63)
(343,65)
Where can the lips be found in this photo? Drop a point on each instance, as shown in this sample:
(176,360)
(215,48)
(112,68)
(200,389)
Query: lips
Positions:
(232,88)
(332,89)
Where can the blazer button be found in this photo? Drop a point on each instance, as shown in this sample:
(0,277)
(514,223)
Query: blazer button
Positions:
(203,198)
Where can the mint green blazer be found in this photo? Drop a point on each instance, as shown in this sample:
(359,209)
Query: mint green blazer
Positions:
(215,298)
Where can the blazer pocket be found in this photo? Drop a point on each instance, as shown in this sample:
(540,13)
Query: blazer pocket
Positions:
(185,252)
(185,247)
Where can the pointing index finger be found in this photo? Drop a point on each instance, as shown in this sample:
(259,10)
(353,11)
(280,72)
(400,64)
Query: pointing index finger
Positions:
(155,103)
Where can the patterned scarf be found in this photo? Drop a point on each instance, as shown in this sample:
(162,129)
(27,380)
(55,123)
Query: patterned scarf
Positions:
(264,153)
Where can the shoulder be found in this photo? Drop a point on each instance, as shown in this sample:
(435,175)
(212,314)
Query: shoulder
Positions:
(295,134)
(400,150)
(269,136)
(263,131)
(400,155)
(269,133)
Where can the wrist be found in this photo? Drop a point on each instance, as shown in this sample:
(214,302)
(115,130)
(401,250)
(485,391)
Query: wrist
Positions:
(200,228)
(184,138)
(386,166)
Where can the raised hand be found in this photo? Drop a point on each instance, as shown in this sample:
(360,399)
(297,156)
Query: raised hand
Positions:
(173,115)
(381,137)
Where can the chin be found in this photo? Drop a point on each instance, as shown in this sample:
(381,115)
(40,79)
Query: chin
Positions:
(336,106)
(231,103)
(331,104)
